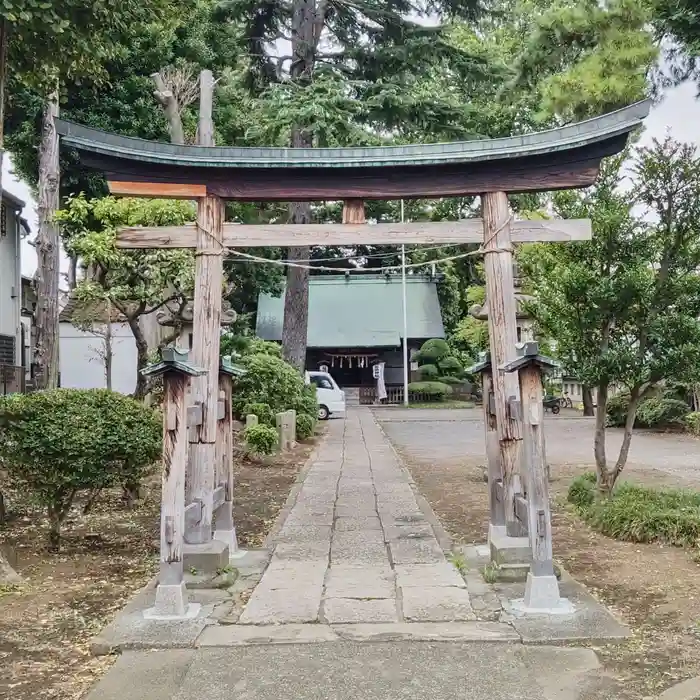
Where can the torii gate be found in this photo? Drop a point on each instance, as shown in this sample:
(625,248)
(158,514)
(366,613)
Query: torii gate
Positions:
(562,158)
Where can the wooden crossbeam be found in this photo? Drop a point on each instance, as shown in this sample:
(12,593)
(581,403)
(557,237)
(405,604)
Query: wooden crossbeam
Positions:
(286,235)
(157,189)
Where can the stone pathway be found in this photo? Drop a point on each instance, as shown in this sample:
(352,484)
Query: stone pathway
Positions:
(356,547)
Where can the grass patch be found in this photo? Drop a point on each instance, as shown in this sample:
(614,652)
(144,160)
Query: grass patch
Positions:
(639,513)
(459,562)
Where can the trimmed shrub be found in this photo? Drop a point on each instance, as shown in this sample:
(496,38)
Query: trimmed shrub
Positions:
(262,411)
(305,426)
(269,380)
(692,423)
(57,443)
(582,491)
(432,350)
(659,412)
(452,380)
(451,366)
(428,372)
(432,391)
(260,439)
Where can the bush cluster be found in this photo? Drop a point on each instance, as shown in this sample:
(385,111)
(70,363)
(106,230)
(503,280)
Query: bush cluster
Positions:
(692,423)
(270,386)
(654,412)
(269,380)
(58,443)
(639,514)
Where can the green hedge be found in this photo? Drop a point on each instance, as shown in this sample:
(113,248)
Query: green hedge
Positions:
(432,391)
(638,513)
(58,443)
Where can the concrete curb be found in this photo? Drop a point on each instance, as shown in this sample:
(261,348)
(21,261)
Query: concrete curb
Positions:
(444,540)
(687,690)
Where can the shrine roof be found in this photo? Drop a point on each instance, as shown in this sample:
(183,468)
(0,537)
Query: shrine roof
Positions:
(565,138)
(360,311)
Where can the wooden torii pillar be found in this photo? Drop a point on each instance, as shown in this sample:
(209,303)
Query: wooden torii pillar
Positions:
(500,292)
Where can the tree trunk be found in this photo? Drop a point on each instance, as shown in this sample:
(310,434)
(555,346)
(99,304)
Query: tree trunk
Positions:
(54,528)
(587,401)
(48,253)
(4,40)
(141,357)
(171,109)
(108,347)
(635,397)
(601,461)
(72,273)
(305,37)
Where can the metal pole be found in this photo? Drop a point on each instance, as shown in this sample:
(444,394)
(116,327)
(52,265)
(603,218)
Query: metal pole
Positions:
(405,317)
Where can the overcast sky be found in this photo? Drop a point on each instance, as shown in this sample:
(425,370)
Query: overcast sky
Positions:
(678,113)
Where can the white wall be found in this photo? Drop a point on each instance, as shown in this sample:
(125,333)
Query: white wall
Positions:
(82,368)
(10,285)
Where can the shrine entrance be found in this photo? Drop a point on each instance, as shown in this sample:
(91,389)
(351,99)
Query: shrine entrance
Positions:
(567,157)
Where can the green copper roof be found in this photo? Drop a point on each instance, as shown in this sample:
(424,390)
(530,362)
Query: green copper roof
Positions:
(359,312)
(563,138)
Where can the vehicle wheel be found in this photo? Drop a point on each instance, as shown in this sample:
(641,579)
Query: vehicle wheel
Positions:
(556,409)
(323,413)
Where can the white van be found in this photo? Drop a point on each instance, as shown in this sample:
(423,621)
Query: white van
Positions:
(331,399)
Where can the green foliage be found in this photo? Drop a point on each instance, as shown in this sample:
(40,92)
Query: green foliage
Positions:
(59,442)
(269,380)
(692,422)
(305,425)
(428,372)
(662,412)
(582,491)
(307,403)
(450,366)
(679,20)
(452,380)
(260,439)
(263,411)
(432,391)
(432,351)
(616,410)
(585,58)
(639,513)
(624,306)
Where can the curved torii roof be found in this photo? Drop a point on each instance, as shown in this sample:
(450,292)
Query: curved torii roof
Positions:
(564,157)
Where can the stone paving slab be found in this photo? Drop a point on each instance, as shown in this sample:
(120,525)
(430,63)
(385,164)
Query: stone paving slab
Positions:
(281,606)
(360,582)
(339,610)
(436,604)
(355,518)
(425,575)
